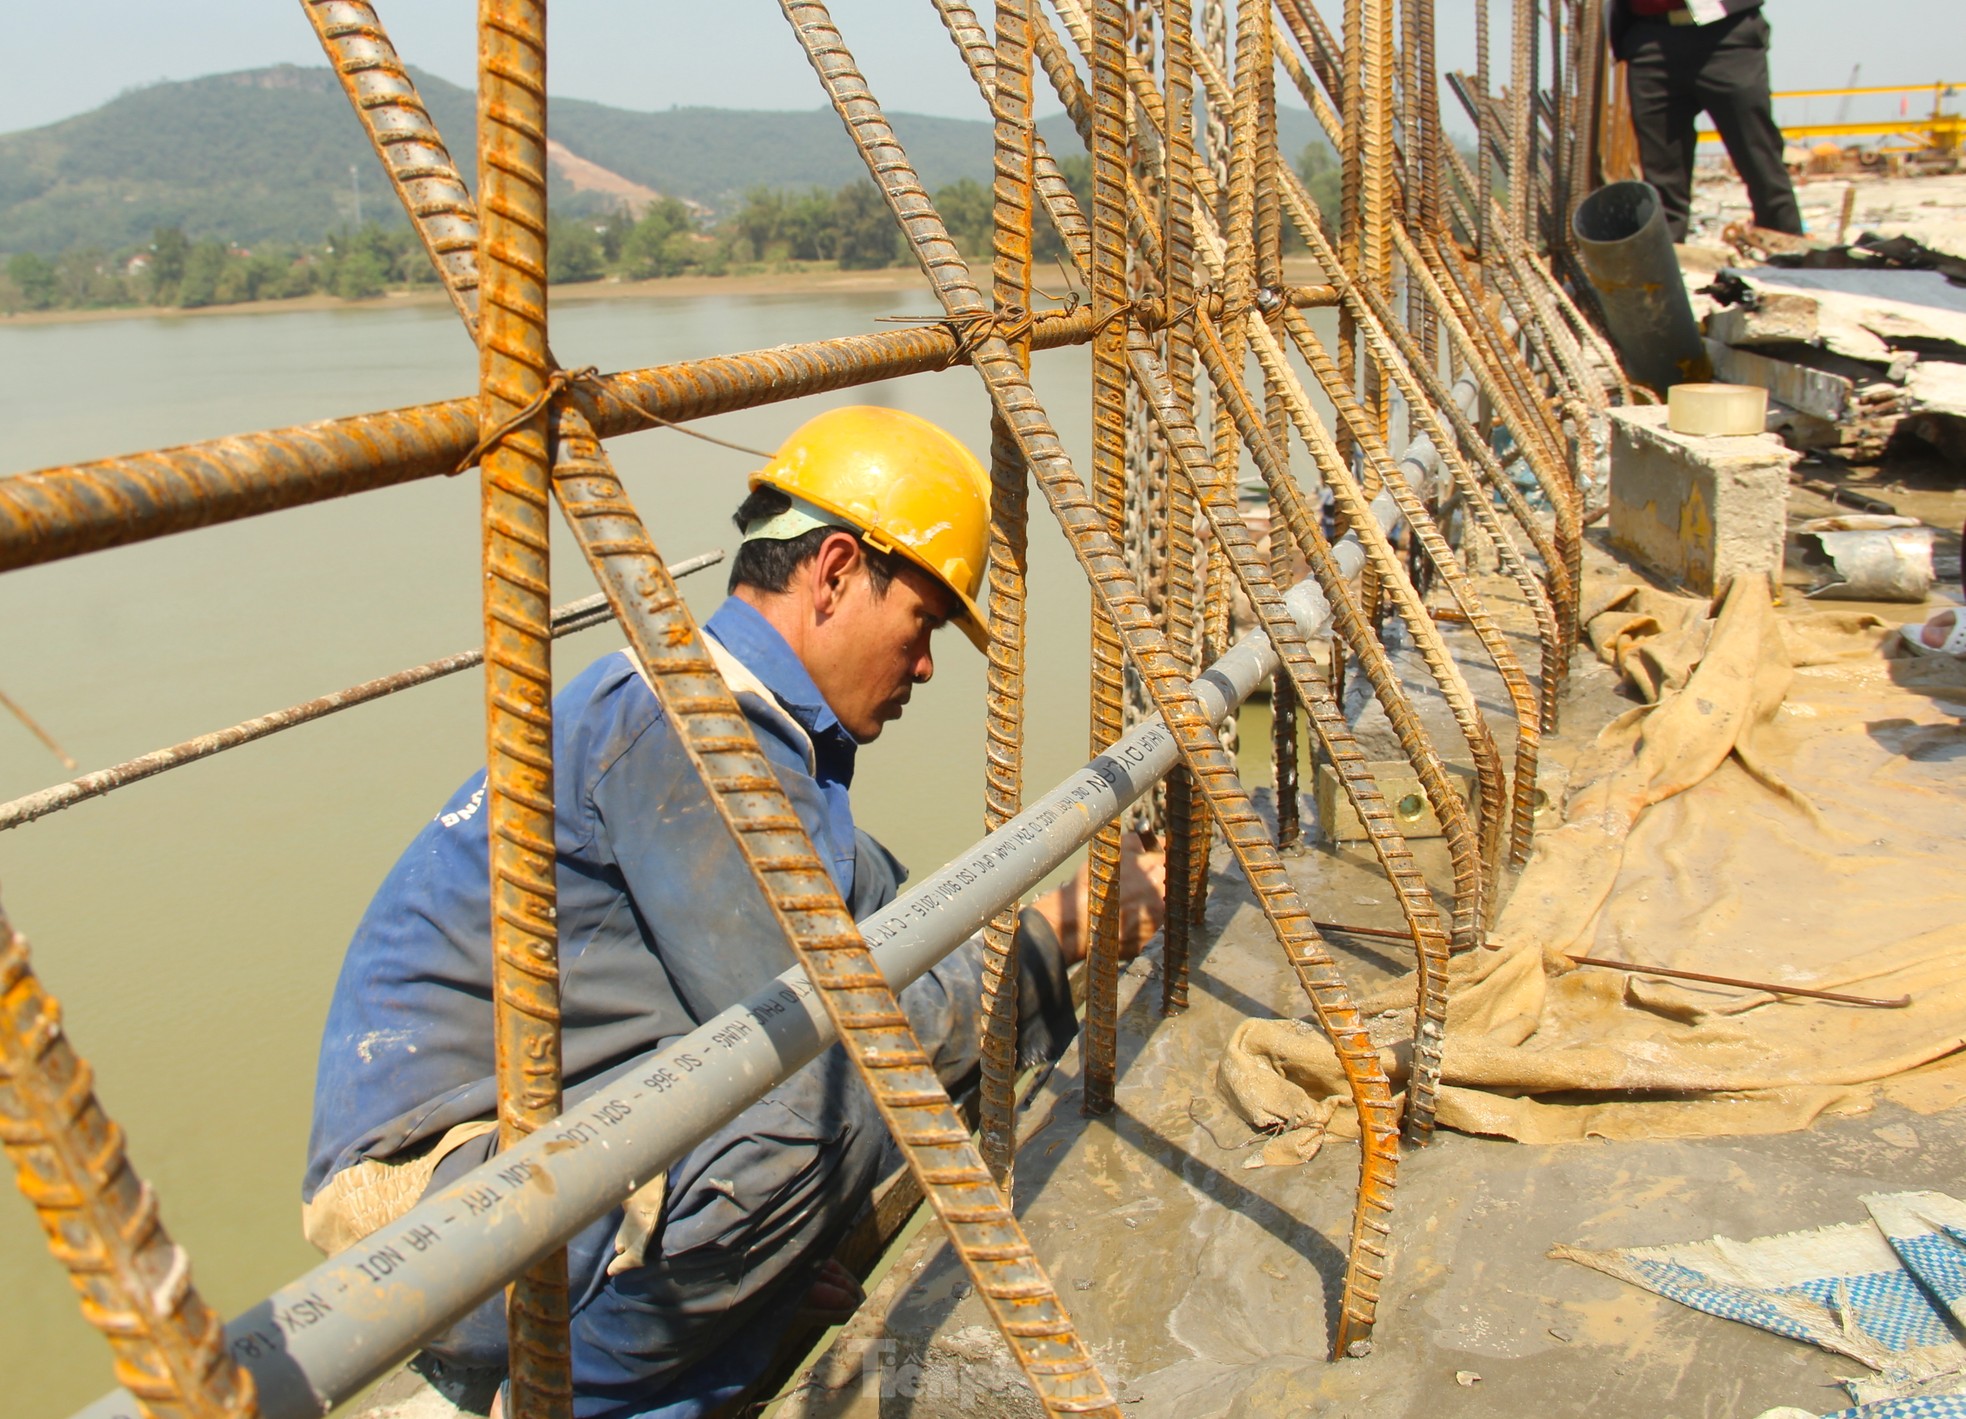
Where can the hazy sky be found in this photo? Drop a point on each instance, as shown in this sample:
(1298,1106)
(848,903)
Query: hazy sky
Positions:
(653,54)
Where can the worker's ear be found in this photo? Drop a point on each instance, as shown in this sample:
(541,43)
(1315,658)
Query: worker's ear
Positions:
(832,568)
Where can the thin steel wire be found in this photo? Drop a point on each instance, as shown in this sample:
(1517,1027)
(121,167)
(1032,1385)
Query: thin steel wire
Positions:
(513,365)
(102,1220)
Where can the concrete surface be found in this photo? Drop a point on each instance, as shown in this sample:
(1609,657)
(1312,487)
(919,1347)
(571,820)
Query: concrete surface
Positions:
(1698,511)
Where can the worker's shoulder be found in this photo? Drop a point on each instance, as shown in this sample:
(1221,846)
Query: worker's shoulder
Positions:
(609,710)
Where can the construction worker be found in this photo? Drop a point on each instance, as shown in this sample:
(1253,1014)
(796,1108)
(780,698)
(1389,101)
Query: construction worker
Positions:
(862,537)
(1686,57)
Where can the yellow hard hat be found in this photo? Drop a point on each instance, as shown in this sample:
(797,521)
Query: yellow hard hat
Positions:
(905,485)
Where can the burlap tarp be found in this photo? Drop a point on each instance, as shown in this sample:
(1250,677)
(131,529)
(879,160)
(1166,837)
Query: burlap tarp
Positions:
(1785,807)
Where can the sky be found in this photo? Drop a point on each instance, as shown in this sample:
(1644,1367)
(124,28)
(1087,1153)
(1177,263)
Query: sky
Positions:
(656,54)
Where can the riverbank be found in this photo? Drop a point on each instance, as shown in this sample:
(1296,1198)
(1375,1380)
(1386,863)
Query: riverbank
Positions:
(821,279)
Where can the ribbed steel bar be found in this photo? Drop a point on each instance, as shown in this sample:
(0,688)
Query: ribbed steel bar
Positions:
(1430,145)
(55,513)
(406,139)
(513,366)
(574,616)
(102,1220)
(1111,169)
(1188,831)
(1269,277)
(1103,563)
(1334,733)
(1351,192)
(1003,772)
(1483,137)
(1522,81)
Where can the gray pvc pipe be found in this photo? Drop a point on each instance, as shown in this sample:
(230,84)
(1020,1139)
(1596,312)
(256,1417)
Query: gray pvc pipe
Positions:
(1625,251)
(318,1340)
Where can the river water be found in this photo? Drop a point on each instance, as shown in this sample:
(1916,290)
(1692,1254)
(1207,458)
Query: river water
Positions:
(192,925)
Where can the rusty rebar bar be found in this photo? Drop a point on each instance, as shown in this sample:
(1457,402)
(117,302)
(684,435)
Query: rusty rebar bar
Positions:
(406,139)
(102,1220)
(1188,831)
(513,369)
(1333,732)
(1100,557)
(575,616)
(55,513)
(1111,168)
(1003,775)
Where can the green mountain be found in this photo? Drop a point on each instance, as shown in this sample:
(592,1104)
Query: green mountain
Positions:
(277,155)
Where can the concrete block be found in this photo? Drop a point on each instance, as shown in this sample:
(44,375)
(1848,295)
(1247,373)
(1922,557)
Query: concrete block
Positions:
(1404,795)
(1699,511)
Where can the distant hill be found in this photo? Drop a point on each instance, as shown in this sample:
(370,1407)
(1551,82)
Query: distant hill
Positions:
(265,155)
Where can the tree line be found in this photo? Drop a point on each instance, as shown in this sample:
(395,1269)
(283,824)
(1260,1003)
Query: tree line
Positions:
(770,230)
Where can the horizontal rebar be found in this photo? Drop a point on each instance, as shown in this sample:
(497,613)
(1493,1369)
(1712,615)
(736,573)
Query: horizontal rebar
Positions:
(578,615)
(55,513)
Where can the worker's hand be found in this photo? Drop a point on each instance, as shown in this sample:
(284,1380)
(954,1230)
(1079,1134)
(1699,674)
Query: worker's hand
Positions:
(1142,890)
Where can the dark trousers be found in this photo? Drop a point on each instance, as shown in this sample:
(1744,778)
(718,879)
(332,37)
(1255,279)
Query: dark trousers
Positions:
(1677,72)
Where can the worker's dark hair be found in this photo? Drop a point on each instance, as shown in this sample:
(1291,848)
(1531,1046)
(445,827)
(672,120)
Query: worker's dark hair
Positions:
(769,565)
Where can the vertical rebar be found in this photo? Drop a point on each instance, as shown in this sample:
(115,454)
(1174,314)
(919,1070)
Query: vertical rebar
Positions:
(1351,110)
(1484,174)
(1110,169)
(1522,83)
(1003,782)
(1187,829)
(102,1220)
(513,367)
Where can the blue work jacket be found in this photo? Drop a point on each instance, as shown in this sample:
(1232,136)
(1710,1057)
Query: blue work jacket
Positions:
(661,923)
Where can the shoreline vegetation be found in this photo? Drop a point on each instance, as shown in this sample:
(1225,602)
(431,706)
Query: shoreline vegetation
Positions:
(773,241)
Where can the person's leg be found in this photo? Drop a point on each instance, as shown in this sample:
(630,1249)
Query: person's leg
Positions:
(1733,89)
(1663,112)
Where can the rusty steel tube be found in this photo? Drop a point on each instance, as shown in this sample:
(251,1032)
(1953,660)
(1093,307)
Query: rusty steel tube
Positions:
(1003,783)
(102,1220)
(513,366)
(575,616)
(1100,557)
(55,513)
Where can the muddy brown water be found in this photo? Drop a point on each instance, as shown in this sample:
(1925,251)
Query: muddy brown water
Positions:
(192,925)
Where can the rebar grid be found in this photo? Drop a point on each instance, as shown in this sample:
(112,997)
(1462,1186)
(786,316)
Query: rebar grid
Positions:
(1333,731)
(527,408)
(1326,717)
(1099,556)
(102,1219)
(1003,785)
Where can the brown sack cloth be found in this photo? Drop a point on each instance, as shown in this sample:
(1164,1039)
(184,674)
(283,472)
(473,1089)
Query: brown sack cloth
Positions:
(1786,808)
